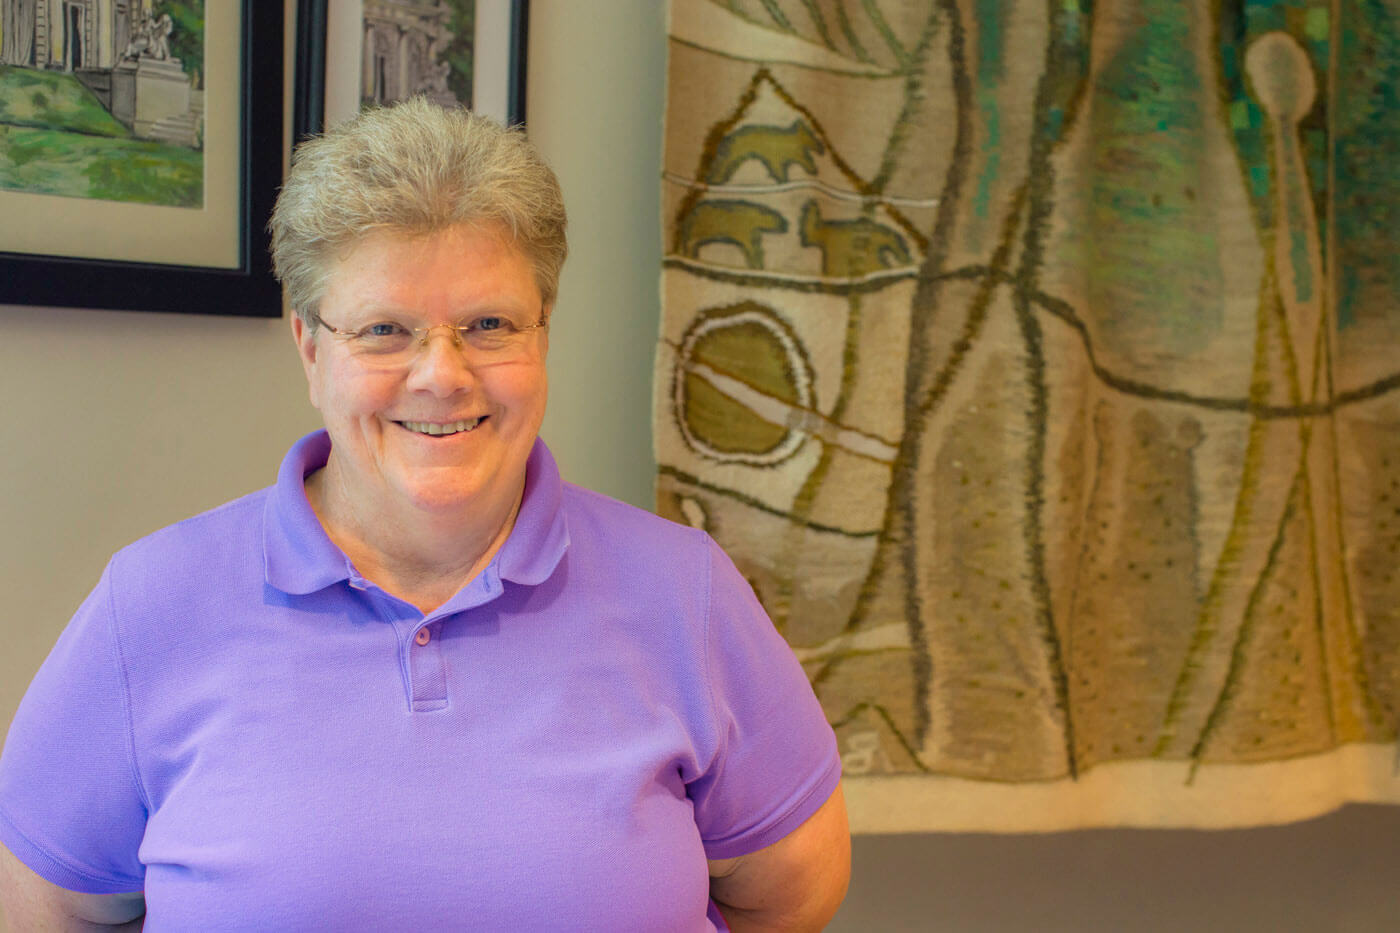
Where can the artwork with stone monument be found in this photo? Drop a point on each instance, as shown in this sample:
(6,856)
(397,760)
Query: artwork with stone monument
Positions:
(418,48)
(103,99)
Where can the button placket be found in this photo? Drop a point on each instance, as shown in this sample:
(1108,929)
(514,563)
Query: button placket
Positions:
(427,672)
(420,661)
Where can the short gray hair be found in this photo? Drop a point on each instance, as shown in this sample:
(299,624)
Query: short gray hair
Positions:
(412,168)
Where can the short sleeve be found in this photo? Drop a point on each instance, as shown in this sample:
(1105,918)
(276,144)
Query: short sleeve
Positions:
(70,802)
(776,760)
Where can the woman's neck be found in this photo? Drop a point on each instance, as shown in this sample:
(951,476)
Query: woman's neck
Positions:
(421,557)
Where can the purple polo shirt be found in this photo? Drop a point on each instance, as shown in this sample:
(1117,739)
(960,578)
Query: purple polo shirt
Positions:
(240,725)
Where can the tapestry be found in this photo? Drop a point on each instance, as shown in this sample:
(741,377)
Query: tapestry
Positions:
(1038,363)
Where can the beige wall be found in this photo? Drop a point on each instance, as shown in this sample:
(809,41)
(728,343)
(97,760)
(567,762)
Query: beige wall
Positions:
(594,108)
(117,423)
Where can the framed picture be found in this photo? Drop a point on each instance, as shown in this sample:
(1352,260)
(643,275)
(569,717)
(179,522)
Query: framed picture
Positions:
(357,52)
(140,153)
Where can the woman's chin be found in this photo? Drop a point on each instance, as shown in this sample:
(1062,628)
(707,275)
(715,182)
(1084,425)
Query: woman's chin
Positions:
(443,502)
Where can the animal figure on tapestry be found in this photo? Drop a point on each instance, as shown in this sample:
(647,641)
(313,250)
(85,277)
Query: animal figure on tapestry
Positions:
(852,247)
(738,222)
(777,148)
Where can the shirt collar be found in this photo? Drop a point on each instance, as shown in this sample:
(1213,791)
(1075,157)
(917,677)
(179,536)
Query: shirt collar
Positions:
(541,535)
(300,558)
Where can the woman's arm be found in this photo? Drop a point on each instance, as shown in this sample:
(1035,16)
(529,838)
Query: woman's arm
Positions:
(30,902)
(796,883)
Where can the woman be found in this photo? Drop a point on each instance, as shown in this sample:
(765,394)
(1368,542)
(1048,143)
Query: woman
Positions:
(420,682)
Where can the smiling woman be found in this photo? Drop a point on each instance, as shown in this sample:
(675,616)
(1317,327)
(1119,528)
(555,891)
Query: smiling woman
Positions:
(421,681)
(413,504)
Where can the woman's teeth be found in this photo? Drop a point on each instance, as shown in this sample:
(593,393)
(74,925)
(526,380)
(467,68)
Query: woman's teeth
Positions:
(451,427)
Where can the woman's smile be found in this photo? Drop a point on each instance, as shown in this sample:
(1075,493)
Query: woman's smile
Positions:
(440,428)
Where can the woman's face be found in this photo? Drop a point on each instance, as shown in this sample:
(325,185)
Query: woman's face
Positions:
(384,460)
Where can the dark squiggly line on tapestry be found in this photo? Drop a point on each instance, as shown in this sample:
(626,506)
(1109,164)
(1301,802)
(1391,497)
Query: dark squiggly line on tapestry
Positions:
(1305,434)
(1375,705)
(1040,185)
(801,286)
(1306,428)
(862,56)
(819,21)
(877,19)
(1080,93)
(1322,370)
(1081,564)
(806,497)
(779,19)
(850,357)
(898,734)
(1066,313)
(908,747)
(977,312)
(733,7)
(899,498)
(1229,689)
(1302,486)
(913,93)
(1305,431)
(850,34)
(1033,532)
(1231,552)
(692,480)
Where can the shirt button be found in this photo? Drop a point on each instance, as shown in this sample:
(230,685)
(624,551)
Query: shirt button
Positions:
(422,637)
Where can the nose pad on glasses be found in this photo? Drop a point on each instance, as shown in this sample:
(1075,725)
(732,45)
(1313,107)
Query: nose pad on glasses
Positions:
(451,329)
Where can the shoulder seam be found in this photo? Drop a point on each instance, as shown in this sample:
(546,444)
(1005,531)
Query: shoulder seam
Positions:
(707,547)
(125,688)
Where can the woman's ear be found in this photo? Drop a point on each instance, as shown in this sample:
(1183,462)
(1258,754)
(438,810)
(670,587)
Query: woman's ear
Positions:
(305,339)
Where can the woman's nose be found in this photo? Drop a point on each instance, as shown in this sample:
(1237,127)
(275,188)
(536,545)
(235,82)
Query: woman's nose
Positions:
(440,366)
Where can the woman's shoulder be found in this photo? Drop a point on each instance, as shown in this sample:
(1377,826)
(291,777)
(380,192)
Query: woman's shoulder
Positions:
(585,505)
(226,534)
(620,524)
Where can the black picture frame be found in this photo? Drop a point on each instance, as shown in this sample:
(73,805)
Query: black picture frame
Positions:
(309,95)
(247,290)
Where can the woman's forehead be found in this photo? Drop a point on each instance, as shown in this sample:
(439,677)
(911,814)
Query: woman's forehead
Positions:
(484,233)
(459,268)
